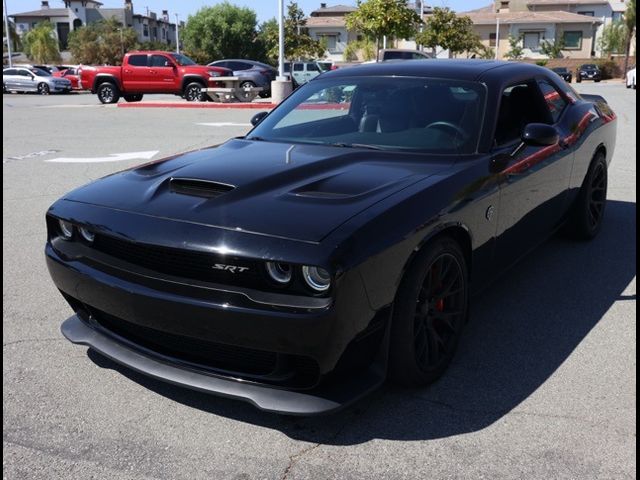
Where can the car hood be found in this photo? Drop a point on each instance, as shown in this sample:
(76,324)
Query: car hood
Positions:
(301,192)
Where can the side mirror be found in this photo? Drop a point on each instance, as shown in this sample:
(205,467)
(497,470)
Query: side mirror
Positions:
(258,117)
(540,135)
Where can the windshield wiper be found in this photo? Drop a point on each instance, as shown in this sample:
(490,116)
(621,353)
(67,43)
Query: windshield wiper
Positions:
(356,145)
(255,139)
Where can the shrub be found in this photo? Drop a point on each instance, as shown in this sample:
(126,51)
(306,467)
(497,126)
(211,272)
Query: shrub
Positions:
(609,68)
(542,63)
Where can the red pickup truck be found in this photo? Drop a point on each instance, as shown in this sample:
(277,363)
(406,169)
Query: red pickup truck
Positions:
(151,72)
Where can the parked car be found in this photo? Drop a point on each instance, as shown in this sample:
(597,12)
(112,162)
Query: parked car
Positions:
(304,72)
(22,79)
(333,246)
(70,74)
(252,73)
(403,54)
(631,78)
(589,71)
(150,72)
(564,73)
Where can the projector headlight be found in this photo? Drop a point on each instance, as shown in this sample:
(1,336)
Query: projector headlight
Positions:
(317,278)
(66,228)
(87,234)
(279,272)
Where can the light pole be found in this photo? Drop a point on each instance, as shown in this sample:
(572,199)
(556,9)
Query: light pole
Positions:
(6,26)
(177,35)
(281,39)
(497,36)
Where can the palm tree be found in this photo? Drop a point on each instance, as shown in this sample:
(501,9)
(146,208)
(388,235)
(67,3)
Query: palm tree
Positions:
(41,45)
(13,35)
(630,24)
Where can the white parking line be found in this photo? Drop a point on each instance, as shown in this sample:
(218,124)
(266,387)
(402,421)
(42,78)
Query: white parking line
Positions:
(114,157)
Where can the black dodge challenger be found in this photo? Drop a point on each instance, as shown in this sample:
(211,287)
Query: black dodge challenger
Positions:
(338,243)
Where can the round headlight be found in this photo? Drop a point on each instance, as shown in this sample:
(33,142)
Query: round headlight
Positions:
(66,228)
(280,272)
(87,234)
(317,278)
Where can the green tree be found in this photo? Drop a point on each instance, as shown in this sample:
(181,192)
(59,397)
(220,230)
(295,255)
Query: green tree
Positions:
(613,38)
(221,31)
(630,22)
(552,49)
(297,42)
(516,52)
(484,52)
(266,42)
(41,44)
(103,42)
(384,18)
(364,49)
(447,30)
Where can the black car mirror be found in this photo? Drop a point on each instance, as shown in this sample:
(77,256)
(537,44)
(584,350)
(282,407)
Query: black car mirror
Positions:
(258,117)
(540,134)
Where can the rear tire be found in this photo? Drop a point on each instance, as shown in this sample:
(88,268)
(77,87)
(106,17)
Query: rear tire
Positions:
(108,93)
(587,214)
(193,92)
(430,311)
(133,98)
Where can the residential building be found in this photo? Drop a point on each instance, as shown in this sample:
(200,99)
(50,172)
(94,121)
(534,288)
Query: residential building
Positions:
(577,23)
(328,25)
(77,13)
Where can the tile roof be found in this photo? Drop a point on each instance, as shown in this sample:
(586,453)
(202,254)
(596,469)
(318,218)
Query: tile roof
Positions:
(326,22)
(489,18)
(44,12)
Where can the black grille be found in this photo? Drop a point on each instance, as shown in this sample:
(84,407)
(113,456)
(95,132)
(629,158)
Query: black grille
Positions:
(183,263)
(288,370)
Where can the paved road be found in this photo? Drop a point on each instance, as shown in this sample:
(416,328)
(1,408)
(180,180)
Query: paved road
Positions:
(544,385)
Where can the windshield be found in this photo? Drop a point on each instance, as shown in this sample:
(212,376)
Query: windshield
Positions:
(560,70)
(39,72)
(182,60)
(406,113)
(589,66)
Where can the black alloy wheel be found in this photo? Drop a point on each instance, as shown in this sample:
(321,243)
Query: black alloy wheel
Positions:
(430,311)
(586,218)
(193,92)
(43,89)
(108,93)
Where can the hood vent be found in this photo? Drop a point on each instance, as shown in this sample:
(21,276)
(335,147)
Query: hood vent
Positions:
(199,188)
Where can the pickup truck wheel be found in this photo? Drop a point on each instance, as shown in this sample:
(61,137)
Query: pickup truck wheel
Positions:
(430,311)
(193,92)
(108,93)
(43,89)
(133,98)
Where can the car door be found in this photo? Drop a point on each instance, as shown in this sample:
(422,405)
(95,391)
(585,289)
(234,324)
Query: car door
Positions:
(9,78)
(136,76)
(534,180)
(163,73)
(312,70)
(298,73)
(26,81)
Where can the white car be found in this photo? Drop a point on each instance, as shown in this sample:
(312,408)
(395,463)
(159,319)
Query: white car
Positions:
(631,79)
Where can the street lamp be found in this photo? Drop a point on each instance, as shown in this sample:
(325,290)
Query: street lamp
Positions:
(281,39)
(6,26)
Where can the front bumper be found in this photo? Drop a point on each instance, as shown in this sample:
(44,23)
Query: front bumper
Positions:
(325,399)
(185,312)
(60,88)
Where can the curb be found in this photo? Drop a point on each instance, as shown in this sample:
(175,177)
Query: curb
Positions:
(240,106)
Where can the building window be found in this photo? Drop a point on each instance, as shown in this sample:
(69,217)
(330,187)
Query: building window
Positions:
(532,41)
(145,30)
(572,40)
(492,39)
(504,5)
(616,16)
(588,14)
(331,42)
(164,34)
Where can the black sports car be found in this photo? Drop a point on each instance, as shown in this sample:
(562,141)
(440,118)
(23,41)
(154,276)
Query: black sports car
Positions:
(338,243)
(564,73)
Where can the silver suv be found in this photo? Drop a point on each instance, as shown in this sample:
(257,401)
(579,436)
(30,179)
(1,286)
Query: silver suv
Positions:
(21,79)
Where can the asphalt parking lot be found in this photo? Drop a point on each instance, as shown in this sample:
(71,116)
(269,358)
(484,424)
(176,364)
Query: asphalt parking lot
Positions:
(544,385)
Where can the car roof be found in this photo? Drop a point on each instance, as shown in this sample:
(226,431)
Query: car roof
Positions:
(459,69)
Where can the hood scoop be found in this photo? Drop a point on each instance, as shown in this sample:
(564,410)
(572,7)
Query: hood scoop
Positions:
(199,188)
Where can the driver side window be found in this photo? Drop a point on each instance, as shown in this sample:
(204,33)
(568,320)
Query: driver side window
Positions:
(520,105)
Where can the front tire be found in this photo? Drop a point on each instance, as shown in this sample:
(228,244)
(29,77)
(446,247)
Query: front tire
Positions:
(108,93)
(585,220)
(43,89)
(430,311)
(193,92)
